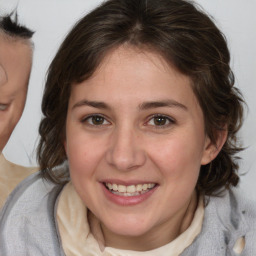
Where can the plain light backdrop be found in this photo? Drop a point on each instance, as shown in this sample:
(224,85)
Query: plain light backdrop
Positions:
(52,19)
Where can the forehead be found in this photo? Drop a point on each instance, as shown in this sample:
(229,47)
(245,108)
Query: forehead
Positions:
(12,49)
(134,62)
(15,61)
(128,73)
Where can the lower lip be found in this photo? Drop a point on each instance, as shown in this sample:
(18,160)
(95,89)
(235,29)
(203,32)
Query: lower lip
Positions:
(127,200)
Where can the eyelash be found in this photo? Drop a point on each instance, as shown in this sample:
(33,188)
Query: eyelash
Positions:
(166,118)
(88,120)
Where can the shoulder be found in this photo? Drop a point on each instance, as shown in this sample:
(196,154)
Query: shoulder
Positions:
(228,219)
(234,209)
(27,219)
(234,215)
(29,193)
(11,175)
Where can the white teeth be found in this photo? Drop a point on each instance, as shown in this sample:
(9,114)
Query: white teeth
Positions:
(121,188)
(139,187)
(131,190)
(151,185)
(144,186)
(109,186)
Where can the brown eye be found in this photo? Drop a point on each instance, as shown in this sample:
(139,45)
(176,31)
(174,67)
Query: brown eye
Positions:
(97,120)
(160,120)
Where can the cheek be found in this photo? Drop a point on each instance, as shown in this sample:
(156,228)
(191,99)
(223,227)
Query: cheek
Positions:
(81,169)
(19,103)
(15,112)
(84,158)
(178,158)
(7,125)
(5,133)
(84,155)
(78,156)
(9,119)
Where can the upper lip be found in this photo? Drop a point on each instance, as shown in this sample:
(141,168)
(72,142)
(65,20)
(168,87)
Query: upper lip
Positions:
(127,183)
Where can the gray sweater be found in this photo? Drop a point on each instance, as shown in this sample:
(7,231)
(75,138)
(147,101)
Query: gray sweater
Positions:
(28,224)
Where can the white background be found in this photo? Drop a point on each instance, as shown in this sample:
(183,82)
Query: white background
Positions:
(52,19)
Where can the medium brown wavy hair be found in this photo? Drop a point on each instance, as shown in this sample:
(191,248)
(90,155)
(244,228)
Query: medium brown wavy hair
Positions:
(186,37)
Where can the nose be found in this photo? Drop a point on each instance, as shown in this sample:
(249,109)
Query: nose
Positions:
(125,151)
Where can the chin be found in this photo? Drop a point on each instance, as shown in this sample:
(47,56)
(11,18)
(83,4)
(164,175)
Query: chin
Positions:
(126,226)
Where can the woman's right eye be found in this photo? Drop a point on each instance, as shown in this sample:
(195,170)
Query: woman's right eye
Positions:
(96,120)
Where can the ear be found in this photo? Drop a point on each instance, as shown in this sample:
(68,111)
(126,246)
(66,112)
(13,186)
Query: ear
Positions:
(212,149)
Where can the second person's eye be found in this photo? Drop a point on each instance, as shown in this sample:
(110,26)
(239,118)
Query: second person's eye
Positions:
(3,107)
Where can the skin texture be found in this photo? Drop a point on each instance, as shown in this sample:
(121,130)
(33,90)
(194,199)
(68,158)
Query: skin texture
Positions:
(128,146)
(15,66)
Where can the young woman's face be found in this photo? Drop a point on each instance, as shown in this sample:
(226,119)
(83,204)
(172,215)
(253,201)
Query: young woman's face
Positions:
(135,141)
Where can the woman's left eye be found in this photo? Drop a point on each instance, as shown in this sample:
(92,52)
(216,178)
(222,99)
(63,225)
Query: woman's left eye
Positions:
(160,121)
(96,120)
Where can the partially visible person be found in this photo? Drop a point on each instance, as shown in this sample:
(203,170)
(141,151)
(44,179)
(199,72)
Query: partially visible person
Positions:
(15,65)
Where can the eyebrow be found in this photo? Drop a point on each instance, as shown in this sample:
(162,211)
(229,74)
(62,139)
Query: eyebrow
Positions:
(94,104)
(143,106)
(159,104)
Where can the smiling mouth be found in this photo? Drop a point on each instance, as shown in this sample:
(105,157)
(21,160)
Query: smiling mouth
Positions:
(131,190)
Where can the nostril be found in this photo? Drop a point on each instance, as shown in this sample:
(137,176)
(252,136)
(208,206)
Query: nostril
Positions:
(239,245)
